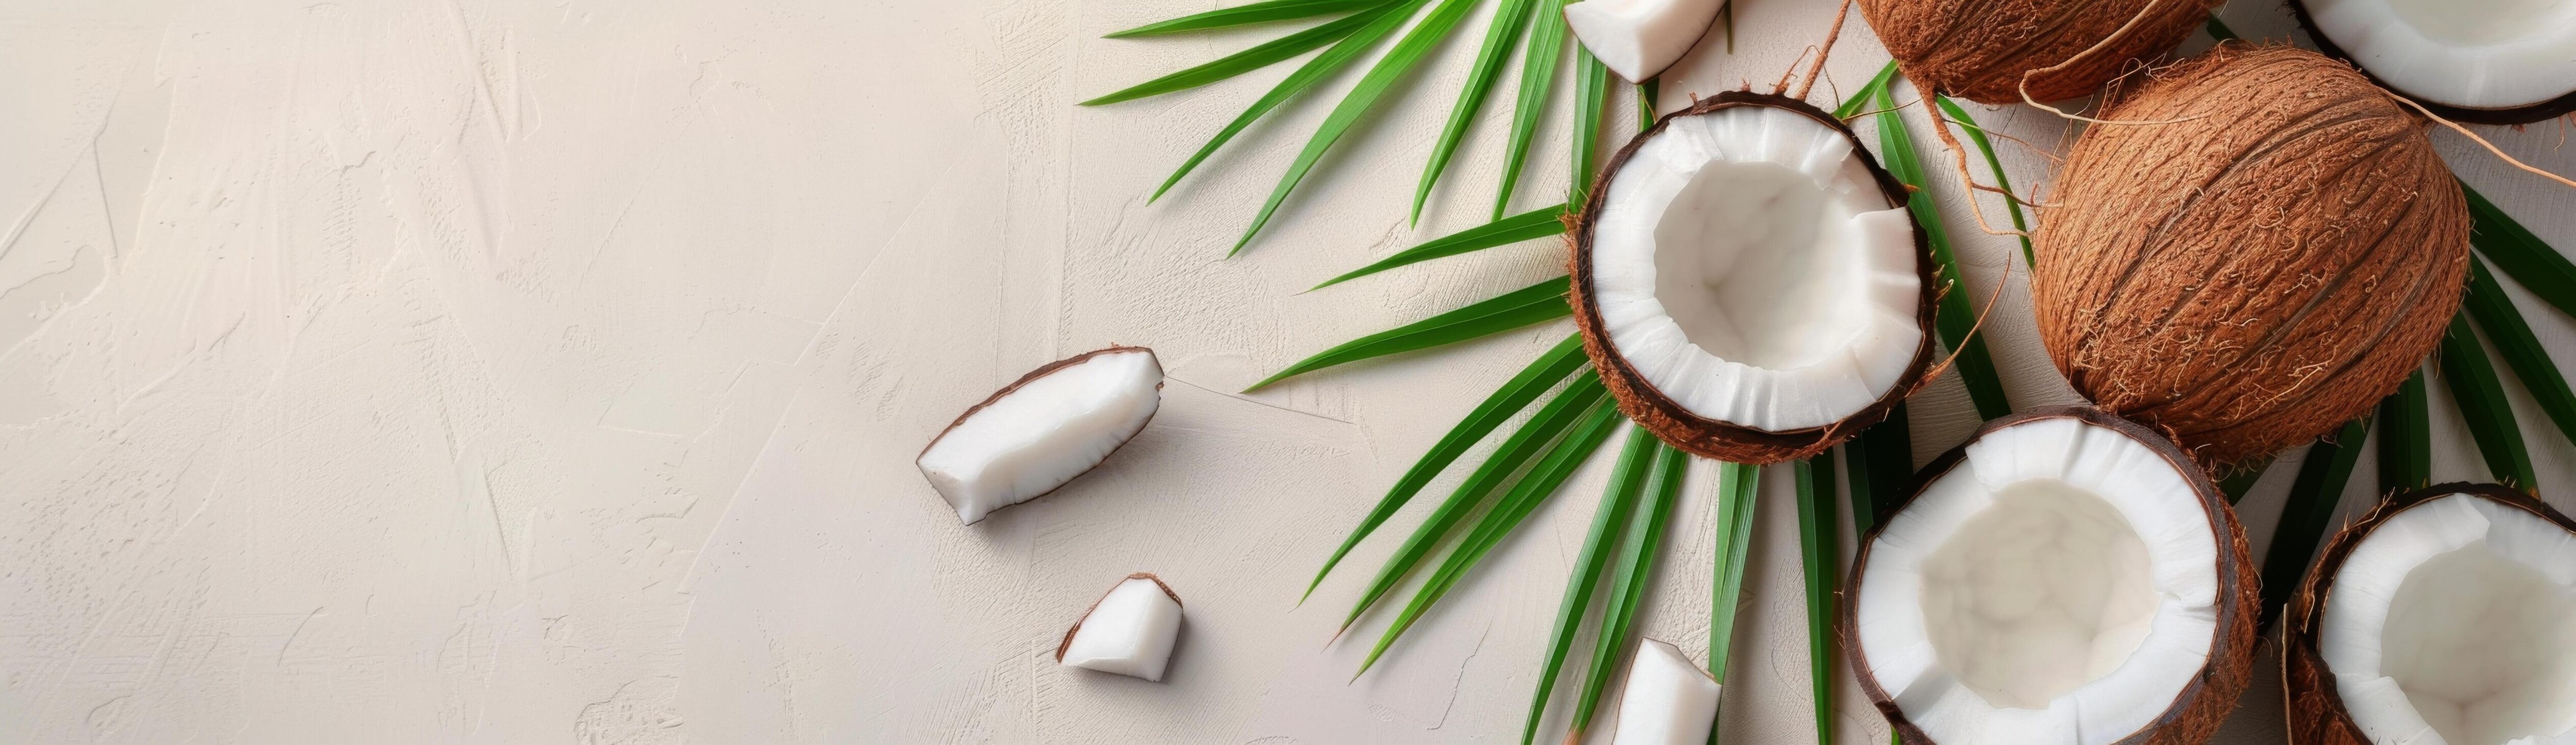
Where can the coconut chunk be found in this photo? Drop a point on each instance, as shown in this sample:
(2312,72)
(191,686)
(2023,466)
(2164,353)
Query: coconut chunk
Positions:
(1639,38)
(1128,632)
(2064,577)
(2495,61)
(1669,701)
(1034,435)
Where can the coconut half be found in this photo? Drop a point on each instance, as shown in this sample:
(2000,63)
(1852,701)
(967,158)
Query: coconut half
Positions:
(1749,283)
(1669,700)
(2063,577)
(2446,616)
(1056,423)
(1128,631)
(1639,38)
(2487,61)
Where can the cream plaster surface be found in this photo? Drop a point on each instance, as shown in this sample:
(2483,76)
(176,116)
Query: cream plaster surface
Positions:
(492,371)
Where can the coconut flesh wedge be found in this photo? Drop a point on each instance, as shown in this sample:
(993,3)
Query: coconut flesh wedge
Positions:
(1639,38)
(2445,617)
(2488,61)
(1749,283)
(2063,577)
(1052,425)
(1669,701)
(1128,632)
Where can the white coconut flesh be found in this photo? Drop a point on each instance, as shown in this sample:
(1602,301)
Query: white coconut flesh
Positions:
(2454,623)
(2059,585)
(1748,266)
(2473,54)
(1129,633)
(1049,429)
(1668,701)
(1639,38)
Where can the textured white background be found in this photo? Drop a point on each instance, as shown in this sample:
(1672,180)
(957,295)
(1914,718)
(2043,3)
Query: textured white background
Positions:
(486,371)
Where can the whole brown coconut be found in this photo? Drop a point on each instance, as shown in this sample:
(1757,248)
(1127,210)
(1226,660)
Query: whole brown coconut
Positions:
(1979,49)
(2271,252)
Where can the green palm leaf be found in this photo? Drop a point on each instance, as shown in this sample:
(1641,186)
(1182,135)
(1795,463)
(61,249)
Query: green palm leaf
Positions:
(2519,254)
(1628,584)
(2481,399)
(1264,55)
(1955,316)
(1380,22)
(1531,225)
(2304,517)
(1977,137)
(1738,485)
(1881,465)
(1516,394)
(1398,61)
(2406,437)
(2494,312)
(1508,22)
(1616,504)
(1240,15)
(1536,303)
(1851,106)
(1538,79)
(1821,554)
(1591,100)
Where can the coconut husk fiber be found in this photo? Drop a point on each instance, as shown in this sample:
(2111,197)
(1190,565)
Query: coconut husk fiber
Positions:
(1979,49)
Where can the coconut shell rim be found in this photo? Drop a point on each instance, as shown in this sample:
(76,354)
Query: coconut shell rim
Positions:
(1061,646)
(1759,446)
(2538,111)
(1032,376)
(2234,569)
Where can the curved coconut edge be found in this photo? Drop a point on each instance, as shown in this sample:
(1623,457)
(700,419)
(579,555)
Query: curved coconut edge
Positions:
(1043,371)
(2308,696)
(2524,114)
(2202,704)
(1069,632)
(1658,413)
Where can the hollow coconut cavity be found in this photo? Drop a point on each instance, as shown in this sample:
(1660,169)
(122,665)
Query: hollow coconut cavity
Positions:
(2063,577)
(2447,616)
(1980,49)
(1749,283)
(2486,61)
(2271,251)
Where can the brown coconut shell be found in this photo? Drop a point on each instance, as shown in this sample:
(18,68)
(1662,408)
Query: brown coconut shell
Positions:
(1659,413)
(1980,49)
(2264,265)
(2541,111)
(2205,702)
(2316,711)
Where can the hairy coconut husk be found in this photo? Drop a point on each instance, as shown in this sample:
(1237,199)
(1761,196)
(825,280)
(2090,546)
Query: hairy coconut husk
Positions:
(2206,701)
(1657,412)
(1979,49)
(2272,249)
(2316,711)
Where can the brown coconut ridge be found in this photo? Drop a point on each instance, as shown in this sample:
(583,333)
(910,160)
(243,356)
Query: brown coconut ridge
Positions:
(2316,710)
(2268,248)
(1659,413)
(2205,702)
(1979,49)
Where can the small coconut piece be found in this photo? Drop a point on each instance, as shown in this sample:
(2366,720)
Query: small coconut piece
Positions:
(2063,577)
(1054,424)
(1669,701)
(2485,61)
(2269,258)
(2444,615)
(1749,283)
(1128,631)
(1639,38)
(1980,49)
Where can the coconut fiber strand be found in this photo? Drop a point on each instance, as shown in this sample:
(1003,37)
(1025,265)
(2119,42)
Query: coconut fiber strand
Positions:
(1978,49)
(2263,249)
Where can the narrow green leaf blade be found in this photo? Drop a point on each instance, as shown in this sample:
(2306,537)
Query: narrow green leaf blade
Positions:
(1509,20)
(1820,552)
(1859,98)
(1738,486)
(1398,61)
(1985,147)
(2493,310)
(1956,316)
(2237,484)
(1240,15)
(2406,437)
(1645,537)
(1881,468)
(2481,398)
(1538,79)
(2519,254)
(1263,55)
(1516,394)
(1531,225)
(1607,520)
(2304,516)
(1536,303)
(1591,101)
(1380,23)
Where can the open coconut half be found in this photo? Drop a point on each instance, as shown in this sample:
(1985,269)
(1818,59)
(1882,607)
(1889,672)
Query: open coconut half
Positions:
(2063,577)
(2487,61)
(1055,423)
(1639,38)
(1749,282)
(1128,631)
(2446,616)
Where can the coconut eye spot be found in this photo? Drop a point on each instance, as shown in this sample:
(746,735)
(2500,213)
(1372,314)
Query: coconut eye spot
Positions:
(2482,647)
(1746,266)
(2045,590)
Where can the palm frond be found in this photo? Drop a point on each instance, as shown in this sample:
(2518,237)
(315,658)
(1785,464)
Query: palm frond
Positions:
(1538,79)
(2519,254)
(1591,101)
(1536,303)
(1738,487)
(2305,515)
(1531,225)
(1241,15)
(1260,56)
(1509,20)
(1851,106)
(2237,484)
(1985,147)
(2480,396)
(1607,521)
(2494,312)
(1380,22)
(1955,316)
(1821,554)
(1637,549)
(2406,437)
